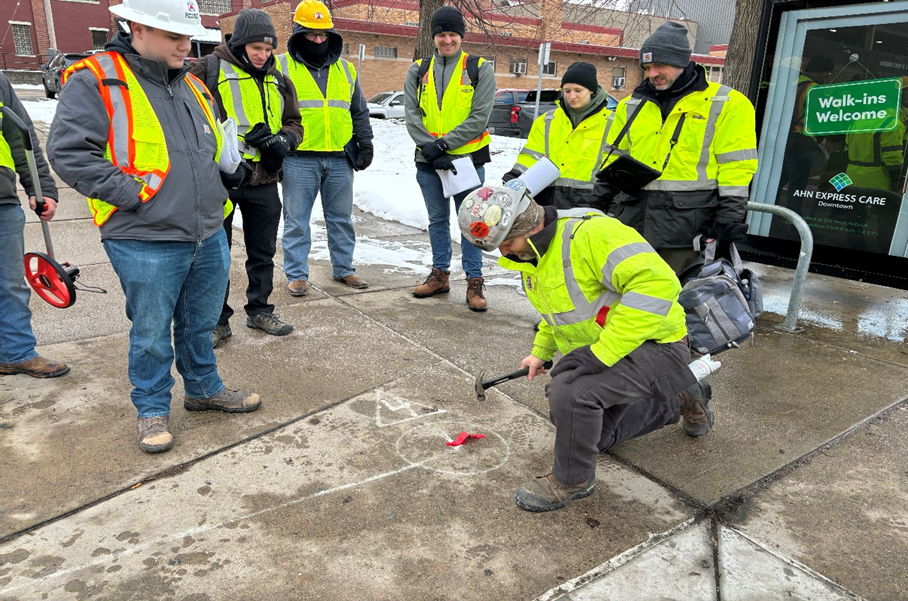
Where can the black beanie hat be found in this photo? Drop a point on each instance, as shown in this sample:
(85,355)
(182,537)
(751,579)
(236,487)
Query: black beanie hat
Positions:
(252,25)
(448,18)
(667,45)
(581,73)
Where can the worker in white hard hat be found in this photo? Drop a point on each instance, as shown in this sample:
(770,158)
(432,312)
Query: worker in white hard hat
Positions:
(609,304)
(140,138)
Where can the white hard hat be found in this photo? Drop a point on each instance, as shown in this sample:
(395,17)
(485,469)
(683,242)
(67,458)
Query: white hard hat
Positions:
(487,214)
(175,16)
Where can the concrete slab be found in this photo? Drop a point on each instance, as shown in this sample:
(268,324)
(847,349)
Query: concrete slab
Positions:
(771,408)
(844,513)
(86,416)
(346,504)
(71,206)
(75,241)
(751,572)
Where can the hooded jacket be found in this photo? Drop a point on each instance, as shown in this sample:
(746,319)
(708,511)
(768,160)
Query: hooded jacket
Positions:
(290,118)
(12,136)
(359,111)
(189,206)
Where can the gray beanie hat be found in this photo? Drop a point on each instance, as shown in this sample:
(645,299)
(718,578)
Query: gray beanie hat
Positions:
(252,25)
(667,45)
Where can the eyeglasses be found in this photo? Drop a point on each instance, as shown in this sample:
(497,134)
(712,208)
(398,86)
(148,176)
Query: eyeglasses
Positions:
(312,36)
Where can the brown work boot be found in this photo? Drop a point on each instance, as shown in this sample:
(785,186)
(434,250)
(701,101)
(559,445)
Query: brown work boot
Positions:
(475,298)
(546,493)
(298,288)
(231,401)
(36,367)
(696,416)
(436,283)
(354,281)
(153,435)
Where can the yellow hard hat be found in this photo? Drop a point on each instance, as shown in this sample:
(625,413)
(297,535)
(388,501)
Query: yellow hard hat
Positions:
(312,14)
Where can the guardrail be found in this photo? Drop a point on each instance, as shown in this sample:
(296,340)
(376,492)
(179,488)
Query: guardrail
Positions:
(806,252)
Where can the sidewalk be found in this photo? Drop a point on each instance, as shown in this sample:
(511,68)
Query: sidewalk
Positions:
(341,486)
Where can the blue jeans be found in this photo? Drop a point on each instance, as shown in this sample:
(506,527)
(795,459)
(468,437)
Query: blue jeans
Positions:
(439,208)
(17,342)
(171,283)
(304,177)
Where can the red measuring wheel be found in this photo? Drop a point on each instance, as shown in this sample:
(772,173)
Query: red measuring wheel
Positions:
(51,281)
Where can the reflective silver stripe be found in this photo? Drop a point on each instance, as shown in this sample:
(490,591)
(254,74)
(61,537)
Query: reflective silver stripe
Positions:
(548,128)
(349,78)
(232,76)
(600,157)
(620,254)
(738,155)
(644,302)
(636,103)
(284,66)
(311,104)
(119,121)
(576,184)
(734,191)
(532,153)
(339,104)
(671,185)
(153,180)
(717,102)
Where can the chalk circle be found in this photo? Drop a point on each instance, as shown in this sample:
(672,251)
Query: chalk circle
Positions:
(425,446)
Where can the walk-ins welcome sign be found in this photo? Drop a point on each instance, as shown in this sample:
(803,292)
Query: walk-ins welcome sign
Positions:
(865,106)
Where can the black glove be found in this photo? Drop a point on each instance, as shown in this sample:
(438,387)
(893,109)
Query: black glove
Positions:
(445,163)
(725,233)
(512,174)
(579,362)
(279,145)
(257,135)
(239,177)
(433,150)
(364,159)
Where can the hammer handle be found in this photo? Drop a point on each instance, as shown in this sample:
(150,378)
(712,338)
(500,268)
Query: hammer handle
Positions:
(511,376)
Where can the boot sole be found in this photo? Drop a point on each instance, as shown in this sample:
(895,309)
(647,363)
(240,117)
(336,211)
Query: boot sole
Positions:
(543,508)
(439,291)
(35,374)
(276,333)
(477,309)
(155,448)
(194,407)
(698,430)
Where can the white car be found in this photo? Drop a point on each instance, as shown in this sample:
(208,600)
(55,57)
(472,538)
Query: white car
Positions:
(387,105)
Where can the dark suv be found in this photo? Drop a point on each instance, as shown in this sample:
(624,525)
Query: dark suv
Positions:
(52,72)
(512,112)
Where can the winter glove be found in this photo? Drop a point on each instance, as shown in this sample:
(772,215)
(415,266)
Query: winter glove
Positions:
(364,159)
(239,177)
(433,150)
(725,233)
(279,145)
(512,174)
(444,163)
(579,362)
(257,135)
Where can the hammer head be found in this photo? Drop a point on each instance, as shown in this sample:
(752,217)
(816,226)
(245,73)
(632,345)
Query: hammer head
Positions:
(480,389)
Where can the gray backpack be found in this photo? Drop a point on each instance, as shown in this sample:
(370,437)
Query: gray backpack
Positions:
(721,299)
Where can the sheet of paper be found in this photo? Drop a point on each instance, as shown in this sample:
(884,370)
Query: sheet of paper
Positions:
(540,176)
(466,177)
(230,153)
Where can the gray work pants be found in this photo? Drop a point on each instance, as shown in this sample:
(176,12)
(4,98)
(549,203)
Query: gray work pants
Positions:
(595,412)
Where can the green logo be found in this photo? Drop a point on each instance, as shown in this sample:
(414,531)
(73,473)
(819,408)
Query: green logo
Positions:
(840,181)
(856,107)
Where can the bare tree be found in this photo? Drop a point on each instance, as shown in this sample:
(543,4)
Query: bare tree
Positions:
(742,49)
(425,45)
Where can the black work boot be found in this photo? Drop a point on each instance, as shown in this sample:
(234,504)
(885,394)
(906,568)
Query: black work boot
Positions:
(219,334)
(696,416)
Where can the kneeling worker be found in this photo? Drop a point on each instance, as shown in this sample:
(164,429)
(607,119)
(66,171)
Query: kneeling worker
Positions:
(610,305)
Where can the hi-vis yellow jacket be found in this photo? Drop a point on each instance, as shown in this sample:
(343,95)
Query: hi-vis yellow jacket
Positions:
(456,103)
(599,283)
(136,143)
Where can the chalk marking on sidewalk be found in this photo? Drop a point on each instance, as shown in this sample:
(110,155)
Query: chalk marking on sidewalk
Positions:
(397,404)
(202,529)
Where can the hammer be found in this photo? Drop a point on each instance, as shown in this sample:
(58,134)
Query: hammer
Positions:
(481,384)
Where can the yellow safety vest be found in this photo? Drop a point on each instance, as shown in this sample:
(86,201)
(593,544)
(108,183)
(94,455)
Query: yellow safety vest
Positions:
(247,106)
(577,152)
(456,104)
(327,122)
(136,143)
(872,154)
(588,288)
(6,155)
(716,144)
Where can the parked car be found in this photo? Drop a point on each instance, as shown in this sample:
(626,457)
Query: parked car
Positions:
(387,105)
(512,111)
(52,72)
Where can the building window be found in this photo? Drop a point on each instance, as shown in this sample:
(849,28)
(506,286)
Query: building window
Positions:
(619,77)
(22,38)
(412,23)
(98,39)
(549,68)
(215,7)
(490,59)
(519,66)
(346,49)
(385,52)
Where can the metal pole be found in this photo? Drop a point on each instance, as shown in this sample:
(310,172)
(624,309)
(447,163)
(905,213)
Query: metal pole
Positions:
(362,55)
(542,61)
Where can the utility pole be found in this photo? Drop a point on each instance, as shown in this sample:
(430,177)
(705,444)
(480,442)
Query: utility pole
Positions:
(49,16)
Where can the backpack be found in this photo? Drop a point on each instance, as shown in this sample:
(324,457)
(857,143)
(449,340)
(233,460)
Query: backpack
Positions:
(721,300)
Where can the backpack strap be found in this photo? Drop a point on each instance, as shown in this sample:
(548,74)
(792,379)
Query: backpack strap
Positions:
(212,70)
(473,69)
